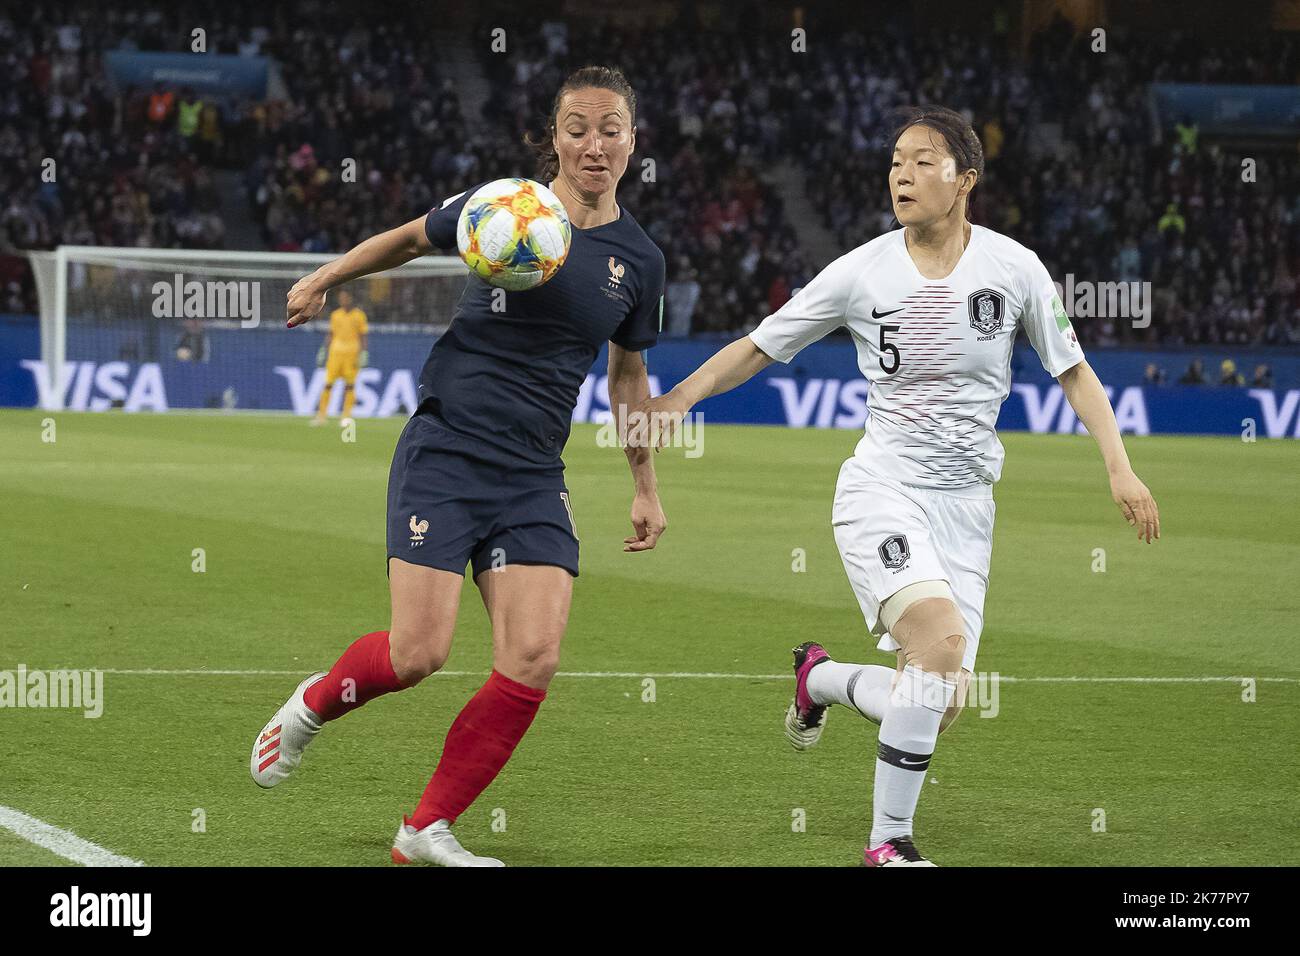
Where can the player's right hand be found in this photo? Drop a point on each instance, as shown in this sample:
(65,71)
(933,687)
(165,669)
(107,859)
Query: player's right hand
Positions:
(304,301)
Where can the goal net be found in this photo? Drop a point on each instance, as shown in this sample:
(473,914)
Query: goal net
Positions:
(157,329)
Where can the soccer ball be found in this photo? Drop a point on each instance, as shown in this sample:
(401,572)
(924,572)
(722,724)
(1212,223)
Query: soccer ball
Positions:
(514,234)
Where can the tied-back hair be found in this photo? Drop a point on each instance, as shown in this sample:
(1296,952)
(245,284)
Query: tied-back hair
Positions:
(600,77)
(958,135)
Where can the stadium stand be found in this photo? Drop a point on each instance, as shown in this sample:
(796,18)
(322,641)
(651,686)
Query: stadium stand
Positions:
(1092,181)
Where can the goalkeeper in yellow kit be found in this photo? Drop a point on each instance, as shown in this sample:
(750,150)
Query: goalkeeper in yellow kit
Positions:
(345,346)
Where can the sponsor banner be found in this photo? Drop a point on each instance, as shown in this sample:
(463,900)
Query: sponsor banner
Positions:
(218,75)
(274,369)
(1223,108)
(20,338)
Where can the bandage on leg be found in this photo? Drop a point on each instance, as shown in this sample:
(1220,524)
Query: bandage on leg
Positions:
(925,622)
(896,605)
(958,704)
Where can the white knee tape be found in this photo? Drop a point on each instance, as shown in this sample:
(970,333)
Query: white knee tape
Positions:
(923,689)
(897,603)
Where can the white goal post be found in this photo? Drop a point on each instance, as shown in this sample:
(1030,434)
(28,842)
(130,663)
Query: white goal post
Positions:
(205,328)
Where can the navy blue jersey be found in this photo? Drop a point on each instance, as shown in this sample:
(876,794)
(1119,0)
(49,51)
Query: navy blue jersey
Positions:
(508,380)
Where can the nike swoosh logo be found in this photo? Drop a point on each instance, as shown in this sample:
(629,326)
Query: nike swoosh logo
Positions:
(881,315)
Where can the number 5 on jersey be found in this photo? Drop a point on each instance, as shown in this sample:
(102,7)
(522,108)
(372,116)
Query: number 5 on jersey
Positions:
(889,348)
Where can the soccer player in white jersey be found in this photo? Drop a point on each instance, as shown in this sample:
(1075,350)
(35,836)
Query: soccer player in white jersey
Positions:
(933,308)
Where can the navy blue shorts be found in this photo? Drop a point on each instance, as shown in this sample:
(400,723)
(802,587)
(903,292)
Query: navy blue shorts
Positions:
(448,506)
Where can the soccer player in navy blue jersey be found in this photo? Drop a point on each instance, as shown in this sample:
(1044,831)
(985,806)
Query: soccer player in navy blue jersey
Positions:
(477,478)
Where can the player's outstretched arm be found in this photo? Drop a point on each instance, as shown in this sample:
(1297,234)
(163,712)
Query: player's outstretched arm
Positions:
(388,250)
(733,365)
(1086,396)
(629,388)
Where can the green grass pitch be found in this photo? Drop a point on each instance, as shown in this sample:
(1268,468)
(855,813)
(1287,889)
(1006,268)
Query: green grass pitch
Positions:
(96,551)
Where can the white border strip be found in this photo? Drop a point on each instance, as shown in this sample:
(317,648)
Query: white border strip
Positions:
(712,675)
(62,843)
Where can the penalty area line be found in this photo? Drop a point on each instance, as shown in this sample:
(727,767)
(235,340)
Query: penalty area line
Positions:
(712,675)
(60,842)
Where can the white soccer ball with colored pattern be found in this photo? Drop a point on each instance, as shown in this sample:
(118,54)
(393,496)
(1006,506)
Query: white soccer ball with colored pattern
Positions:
(514,234)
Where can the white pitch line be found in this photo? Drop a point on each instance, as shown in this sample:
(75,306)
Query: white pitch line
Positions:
(1149,680)
(716,675)
(63,843)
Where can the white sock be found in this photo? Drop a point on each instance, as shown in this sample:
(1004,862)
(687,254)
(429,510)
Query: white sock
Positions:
(907,735)
(864,687)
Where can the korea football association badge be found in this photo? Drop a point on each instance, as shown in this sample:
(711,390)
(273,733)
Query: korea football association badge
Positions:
(986,308)
(894,551)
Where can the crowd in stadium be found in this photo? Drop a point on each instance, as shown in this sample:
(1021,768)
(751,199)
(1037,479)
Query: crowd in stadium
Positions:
(370,98)
(1101,193)
(1075,169)
(83,165)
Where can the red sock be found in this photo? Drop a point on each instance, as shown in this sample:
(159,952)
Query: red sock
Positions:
(364,672)
(481,740)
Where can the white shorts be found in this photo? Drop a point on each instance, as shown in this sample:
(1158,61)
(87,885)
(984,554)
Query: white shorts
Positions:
(891,535)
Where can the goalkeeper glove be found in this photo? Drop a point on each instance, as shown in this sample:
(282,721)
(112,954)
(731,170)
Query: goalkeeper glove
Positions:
(364,359)
(320,357)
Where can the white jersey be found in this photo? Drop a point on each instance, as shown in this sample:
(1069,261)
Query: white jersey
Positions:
(937,352)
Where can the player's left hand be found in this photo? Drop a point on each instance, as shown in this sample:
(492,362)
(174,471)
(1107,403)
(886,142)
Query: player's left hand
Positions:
(654,423)
(1136,504)
(648,522)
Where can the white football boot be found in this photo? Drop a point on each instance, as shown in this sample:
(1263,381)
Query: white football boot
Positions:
(277,750)
(435,844)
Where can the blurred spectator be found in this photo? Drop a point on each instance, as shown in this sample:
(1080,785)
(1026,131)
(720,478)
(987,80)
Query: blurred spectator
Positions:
(1228,374)
(992,139)
(13,298)
(160,104)
(1263,377)
(1195,374)
(192,346)
(1128,260)
(1172,219)
(188,113)
(1154,375)
(680,295)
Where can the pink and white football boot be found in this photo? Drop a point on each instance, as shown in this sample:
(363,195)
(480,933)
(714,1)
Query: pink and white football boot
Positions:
(899,851)
(805,721)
